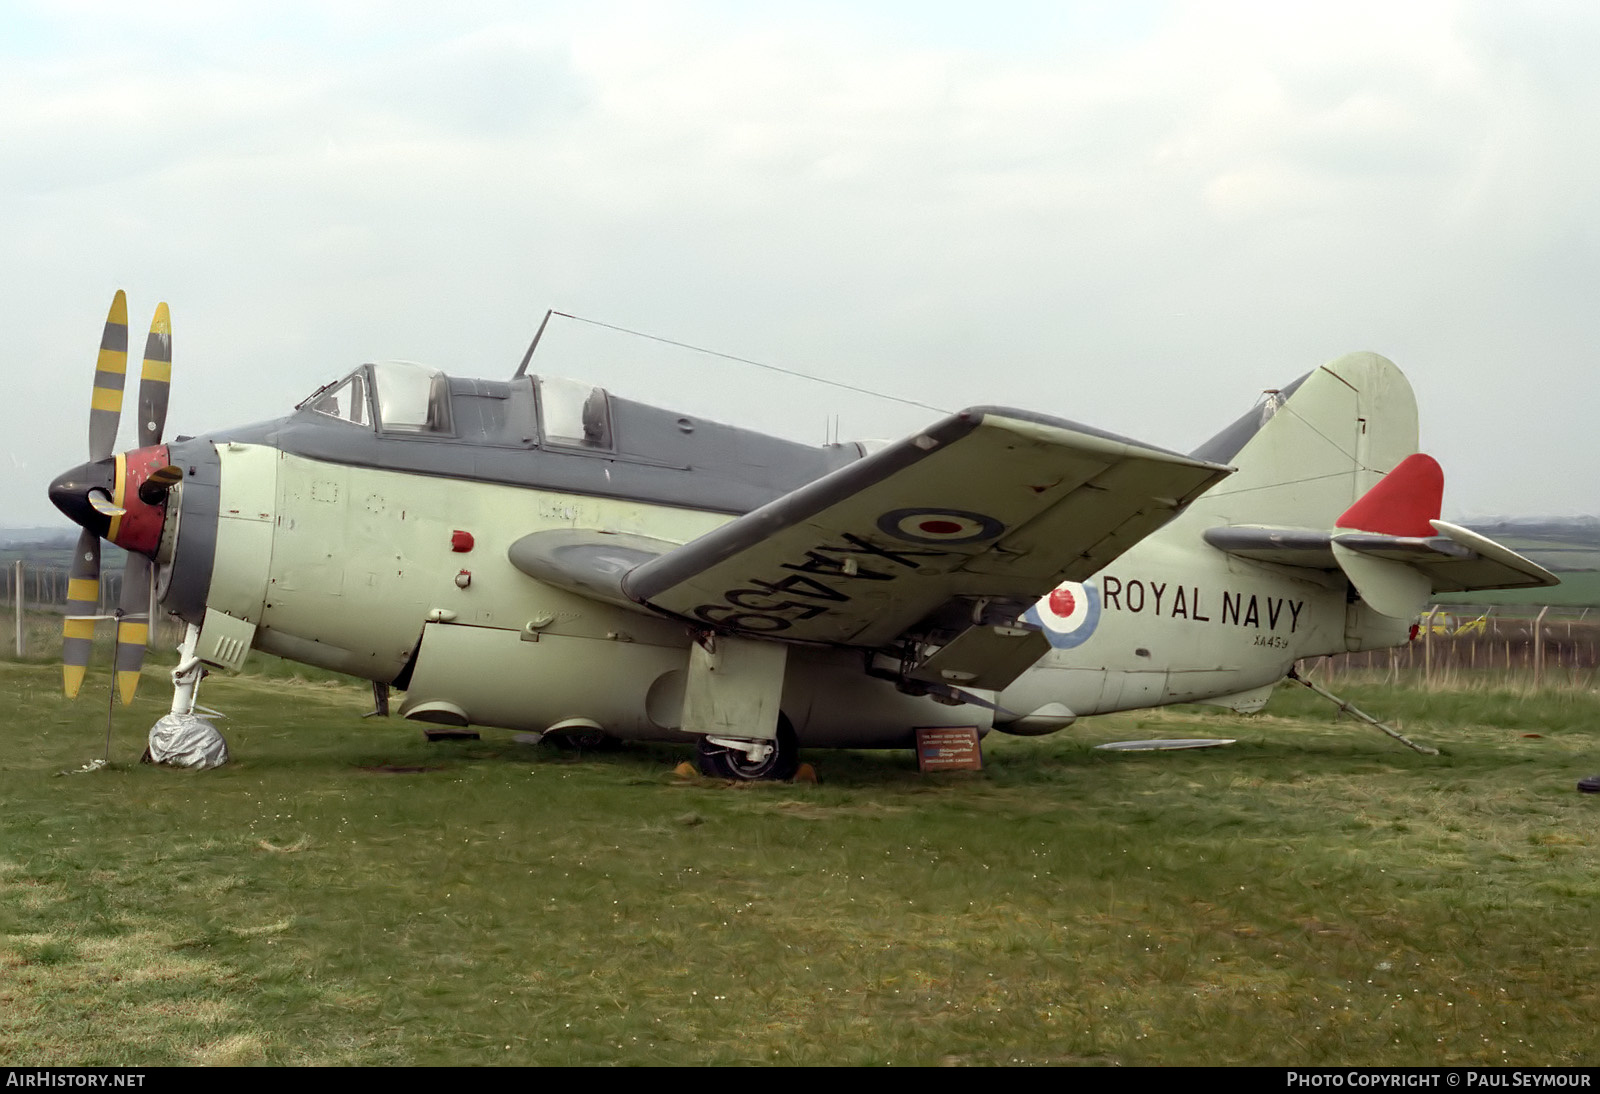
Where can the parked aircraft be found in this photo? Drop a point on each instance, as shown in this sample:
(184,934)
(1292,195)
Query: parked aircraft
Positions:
(542,554)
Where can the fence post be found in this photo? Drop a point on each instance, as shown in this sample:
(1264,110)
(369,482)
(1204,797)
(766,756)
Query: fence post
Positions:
(16,587)
(1538,647)
(1427,648)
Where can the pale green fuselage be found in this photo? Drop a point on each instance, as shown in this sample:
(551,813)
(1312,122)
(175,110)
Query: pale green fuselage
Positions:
(347,567)
(1182,623)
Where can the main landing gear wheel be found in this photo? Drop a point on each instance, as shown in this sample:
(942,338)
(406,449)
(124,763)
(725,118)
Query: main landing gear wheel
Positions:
(581,740)
(779,765)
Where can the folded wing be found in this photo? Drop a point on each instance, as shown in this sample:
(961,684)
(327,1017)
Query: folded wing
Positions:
(983,512)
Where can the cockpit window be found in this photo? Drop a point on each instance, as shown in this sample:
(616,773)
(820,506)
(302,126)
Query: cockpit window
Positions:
(393,396)
(411,398)
(573,413)
(346,400)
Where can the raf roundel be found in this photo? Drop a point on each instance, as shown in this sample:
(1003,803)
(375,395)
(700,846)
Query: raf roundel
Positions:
(1068,615)
(950,526)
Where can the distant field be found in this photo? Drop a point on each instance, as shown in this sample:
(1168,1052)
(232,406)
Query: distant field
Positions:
(1578,589)
(345,893)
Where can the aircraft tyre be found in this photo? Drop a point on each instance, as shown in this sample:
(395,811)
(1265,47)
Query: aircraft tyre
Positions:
(581,740)
(780,765)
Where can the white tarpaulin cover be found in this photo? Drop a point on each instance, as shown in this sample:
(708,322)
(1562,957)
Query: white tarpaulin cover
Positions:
(187,740)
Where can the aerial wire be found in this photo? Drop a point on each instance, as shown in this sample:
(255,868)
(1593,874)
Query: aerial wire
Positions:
(716,353)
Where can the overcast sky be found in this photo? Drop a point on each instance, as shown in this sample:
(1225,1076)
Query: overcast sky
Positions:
(1131,215)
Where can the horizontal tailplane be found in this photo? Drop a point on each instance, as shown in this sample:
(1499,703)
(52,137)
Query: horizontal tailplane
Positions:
(1392,546)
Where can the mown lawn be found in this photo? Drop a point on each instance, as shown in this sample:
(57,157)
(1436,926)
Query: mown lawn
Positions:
(1312,894)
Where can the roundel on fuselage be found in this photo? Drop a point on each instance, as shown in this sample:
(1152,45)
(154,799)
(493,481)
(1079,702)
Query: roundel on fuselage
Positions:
(1068,615)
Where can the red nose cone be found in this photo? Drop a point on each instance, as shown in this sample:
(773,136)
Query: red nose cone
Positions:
(461,542)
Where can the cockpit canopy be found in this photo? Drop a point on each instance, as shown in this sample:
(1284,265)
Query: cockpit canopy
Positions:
(392,396)
(542,432)
(573,413)
(400,397)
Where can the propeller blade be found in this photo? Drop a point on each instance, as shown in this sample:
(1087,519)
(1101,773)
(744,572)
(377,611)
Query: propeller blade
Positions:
(110,374)
(83,599)
(100,503)
(155,378)
(133,627)
(154,489)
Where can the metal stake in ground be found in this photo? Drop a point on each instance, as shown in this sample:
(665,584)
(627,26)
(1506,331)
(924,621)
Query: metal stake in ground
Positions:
(111,699)
(1350,708)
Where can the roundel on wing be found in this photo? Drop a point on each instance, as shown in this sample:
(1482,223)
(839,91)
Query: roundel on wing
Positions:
(1068,615)
(950,526)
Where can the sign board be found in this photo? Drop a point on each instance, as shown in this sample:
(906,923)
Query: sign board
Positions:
(949,748)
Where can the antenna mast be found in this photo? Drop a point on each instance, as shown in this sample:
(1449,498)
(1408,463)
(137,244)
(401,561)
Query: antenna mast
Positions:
(538,334)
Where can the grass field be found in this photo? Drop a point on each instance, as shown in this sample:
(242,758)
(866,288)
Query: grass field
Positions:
(345,893)
(1578,589)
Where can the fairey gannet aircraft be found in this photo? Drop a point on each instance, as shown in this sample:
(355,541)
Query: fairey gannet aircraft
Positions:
(544,555)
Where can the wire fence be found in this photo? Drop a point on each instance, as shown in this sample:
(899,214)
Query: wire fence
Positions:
(45,587)
(1530,645)
(35,597)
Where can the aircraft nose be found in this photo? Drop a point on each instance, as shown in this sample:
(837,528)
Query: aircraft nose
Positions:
(84,492)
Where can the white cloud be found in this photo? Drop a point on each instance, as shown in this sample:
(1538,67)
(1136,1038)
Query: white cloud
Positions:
(1135,220)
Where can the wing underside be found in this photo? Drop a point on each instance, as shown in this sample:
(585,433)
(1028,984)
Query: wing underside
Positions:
(981,513)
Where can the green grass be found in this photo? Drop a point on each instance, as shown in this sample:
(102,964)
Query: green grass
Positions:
(1313,894)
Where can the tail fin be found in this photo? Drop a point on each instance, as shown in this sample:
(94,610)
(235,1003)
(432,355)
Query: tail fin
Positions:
(1330,479)
(1310,451)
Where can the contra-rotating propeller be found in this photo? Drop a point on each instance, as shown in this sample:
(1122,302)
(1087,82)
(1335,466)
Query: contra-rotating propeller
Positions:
(96,496)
